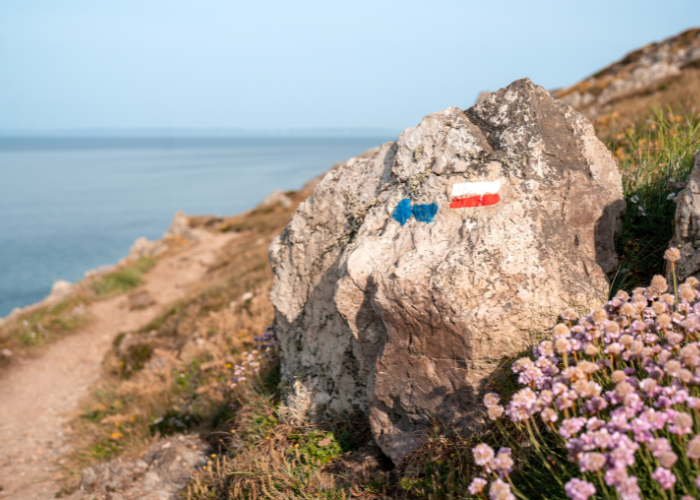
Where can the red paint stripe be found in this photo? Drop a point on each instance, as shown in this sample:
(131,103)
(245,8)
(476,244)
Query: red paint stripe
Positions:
(475,201)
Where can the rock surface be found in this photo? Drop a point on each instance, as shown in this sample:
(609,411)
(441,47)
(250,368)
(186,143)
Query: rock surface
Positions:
(686,236)
(60,290)
(180,227)
(638,72)
(402,313)
(159,474)
(143,247)
(276,197)
(140,300)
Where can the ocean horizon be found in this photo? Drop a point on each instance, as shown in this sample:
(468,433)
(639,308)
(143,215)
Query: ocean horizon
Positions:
(70,203)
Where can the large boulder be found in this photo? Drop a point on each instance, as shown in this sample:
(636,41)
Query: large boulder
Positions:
(407,276)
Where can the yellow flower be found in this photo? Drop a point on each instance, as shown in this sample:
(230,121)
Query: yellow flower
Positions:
(116,435)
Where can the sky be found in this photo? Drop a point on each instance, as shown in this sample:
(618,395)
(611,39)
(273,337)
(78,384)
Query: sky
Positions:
(304,64)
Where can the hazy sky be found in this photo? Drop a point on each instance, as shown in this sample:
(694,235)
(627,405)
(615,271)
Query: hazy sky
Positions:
(71,64)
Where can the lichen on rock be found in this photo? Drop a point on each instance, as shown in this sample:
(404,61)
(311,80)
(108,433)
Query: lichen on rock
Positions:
(406,322)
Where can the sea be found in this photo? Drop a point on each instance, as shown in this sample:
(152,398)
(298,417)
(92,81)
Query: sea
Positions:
(69,204)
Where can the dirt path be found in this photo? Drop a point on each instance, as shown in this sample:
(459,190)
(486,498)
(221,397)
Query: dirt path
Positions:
(37,396)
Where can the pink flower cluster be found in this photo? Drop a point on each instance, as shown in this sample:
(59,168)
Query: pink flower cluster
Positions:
(621,390)
(253,361)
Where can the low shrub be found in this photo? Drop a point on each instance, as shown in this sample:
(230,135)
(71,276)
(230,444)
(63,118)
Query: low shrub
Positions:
(123,280)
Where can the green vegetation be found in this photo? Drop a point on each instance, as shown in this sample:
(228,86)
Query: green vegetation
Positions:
(36,328)
(123,280)
(175,374)
(268,456)
(655,158)
(262,454)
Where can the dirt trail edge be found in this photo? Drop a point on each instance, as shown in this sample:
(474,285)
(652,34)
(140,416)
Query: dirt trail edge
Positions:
(38,395)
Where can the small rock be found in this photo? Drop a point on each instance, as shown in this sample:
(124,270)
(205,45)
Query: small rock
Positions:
(276,197)
(100,271)
(246,297)
(7,353)
(140,300)
(60,290)
(160,473)
(180,226)
(143,247)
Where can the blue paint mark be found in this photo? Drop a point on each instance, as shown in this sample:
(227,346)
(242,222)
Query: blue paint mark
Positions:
(403,211)
(425,213)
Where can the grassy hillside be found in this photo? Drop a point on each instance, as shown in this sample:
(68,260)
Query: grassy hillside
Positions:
(268,458)
(175,374)
(204,367)
(33,329)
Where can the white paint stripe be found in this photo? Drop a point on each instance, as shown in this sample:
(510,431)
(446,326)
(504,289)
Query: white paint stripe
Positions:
(475,188)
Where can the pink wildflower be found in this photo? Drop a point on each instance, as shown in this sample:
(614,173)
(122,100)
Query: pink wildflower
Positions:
(628,489)
(577,489)
(591,462)
(491,399)
(664,477)
(477,486)
(500,490)
(483,454)
(571,426)
(503,461)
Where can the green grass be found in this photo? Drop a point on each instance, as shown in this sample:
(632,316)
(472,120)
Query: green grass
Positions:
(123,280)
(37,328)
(654,155)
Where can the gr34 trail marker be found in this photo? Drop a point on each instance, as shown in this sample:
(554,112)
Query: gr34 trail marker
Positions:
(475,194)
